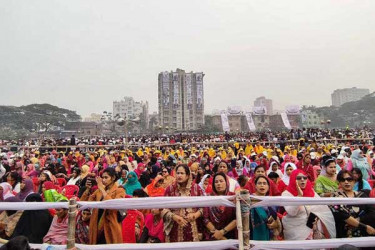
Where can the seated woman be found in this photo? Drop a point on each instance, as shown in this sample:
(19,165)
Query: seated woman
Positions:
(326,183)
(105,228)
(82,226)
(306,222)
(352,220)
(9,219)
(360,184)
(132,183)
(220,221)
(42,218)
(155,188)
(75,177)
(50,193)
(168,178)
(58,231)
(26,189)
(153,232)
(264,223)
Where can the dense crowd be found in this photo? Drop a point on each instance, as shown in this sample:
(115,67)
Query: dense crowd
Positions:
(305,169)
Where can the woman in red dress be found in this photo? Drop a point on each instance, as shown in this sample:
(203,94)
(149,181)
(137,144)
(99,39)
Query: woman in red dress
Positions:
(183,224)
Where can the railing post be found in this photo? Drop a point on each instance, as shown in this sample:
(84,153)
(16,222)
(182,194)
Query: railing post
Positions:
(242,218)
(239,222)
(72,223)
(245,216)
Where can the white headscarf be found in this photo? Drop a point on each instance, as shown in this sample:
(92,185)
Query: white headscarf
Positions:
(286,177)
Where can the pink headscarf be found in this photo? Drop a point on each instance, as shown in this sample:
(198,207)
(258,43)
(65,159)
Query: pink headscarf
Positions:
(6,192)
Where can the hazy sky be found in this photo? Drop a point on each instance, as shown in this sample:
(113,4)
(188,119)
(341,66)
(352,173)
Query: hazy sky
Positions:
(82,55)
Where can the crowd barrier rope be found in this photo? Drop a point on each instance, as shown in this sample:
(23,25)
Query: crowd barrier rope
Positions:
(242,201)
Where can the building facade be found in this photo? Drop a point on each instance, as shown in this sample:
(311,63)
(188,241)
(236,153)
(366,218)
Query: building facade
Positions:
(341,96)
(132,110)
(181,100)
(263,102)
(311,119)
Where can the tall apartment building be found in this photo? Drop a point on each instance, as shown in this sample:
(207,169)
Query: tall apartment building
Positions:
(263,102)
(130,110)
(181,100)
(341,96)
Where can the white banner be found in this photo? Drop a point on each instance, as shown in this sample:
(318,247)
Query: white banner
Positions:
(176,91)
(286,122)
(165,90)
(293,110)
(261,110)
(199,82)
(224,122)
(250,122)
(189,97)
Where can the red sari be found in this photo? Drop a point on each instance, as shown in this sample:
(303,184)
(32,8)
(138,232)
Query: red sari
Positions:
(173,231)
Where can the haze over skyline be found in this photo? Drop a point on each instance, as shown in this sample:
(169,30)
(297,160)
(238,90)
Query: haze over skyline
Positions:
(83,55)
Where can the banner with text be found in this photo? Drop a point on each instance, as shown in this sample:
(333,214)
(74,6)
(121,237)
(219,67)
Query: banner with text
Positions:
(286,122)
(250,122)
(225,122)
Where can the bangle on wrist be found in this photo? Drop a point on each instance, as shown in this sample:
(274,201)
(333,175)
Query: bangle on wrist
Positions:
(225,231)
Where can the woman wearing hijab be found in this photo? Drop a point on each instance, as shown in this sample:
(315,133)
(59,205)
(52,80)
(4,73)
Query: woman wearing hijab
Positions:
(85,174)
(153,231)
(261,171)
(5,191)
(359,161)
(30,171)
(326,183)
(274,167)
(205,184)
(155,188)
(284,182)
(140,169)
(132,183)
(9,219)
(42,218)
(306,222)
(27,188)
(305,165)
(220,221)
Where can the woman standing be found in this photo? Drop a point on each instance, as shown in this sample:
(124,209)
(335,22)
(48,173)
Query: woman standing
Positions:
(352,220)
(220,221)
(233,184)
(306,222)
(305,165)
(104,225)
(326,183)
(182,224)
(265,225)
